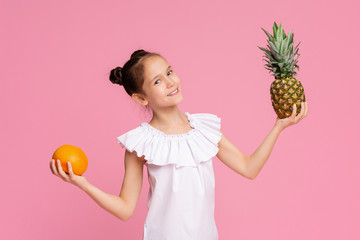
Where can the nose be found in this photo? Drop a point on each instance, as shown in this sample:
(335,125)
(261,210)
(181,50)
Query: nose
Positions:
(170,82)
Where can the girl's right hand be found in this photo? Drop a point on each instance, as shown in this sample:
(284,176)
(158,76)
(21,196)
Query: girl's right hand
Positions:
(71,177)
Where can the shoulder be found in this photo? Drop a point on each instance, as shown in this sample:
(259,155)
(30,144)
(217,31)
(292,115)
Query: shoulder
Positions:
(130,138)
(202,115)
(209,121)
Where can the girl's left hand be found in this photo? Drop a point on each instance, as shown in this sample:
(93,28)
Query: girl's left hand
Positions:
(293,119)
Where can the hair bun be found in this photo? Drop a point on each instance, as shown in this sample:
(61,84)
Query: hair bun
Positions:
(116,76)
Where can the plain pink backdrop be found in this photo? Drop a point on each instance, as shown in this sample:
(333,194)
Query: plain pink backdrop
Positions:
(55,61)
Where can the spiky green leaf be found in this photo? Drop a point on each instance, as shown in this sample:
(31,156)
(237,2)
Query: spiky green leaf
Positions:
(274,47)
(275,27)
(291,37)
(268,35)
(278,33)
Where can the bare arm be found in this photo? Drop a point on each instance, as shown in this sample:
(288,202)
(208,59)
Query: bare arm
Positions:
(250,166)
(121,206)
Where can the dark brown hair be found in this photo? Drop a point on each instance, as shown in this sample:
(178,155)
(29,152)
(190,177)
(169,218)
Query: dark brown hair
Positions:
(131,75)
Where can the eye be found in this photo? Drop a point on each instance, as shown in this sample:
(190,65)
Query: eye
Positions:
(156,81)
(170,72)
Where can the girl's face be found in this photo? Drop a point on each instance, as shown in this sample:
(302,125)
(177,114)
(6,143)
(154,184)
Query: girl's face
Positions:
(161,85)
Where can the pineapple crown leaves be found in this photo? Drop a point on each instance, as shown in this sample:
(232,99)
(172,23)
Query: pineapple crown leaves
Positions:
(280,54)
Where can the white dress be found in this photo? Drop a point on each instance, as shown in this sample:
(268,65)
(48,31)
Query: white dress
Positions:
(181,198)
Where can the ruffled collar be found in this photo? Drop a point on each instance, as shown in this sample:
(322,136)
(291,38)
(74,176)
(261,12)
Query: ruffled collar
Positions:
(188,149)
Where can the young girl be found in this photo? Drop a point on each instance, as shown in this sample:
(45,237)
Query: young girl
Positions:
(177,150)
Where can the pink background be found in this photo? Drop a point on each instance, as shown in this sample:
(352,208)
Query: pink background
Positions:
(55,60)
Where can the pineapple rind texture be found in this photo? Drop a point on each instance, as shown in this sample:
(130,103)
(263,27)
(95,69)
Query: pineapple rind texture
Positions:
(284,93)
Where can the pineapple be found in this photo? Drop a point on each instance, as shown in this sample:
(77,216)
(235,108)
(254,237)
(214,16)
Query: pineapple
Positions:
(281,59)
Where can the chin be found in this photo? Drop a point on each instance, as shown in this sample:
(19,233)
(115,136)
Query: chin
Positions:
(180,98)
(177,101)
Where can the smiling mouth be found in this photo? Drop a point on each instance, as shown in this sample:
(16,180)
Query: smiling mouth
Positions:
(174,92)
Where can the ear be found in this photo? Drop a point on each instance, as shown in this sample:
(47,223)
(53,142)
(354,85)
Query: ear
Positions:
(140,99)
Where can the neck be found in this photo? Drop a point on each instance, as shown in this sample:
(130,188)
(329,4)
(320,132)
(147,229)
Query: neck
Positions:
(168,117)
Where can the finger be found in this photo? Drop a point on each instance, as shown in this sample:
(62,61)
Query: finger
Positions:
(301,114)
(53,167)
(293,114)
(62,174)
(71,173)
(302,111)
(306,108)
(302,108)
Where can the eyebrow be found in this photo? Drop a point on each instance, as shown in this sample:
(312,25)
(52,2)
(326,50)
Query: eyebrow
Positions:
(159,74)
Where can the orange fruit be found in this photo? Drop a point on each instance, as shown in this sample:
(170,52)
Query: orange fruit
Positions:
(74,155)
